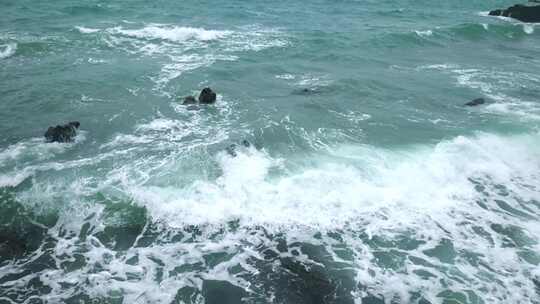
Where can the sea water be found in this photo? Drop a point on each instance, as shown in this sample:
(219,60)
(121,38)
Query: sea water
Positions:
(366,179)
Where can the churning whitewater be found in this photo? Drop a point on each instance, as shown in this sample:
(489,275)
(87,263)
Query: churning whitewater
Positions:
(356,152)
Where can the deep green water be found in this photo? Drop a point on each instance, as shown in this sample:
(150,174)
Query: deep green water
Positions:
(368,180)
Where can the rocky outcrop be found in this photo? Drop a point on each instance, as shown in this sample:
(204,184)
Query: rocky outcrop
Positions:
(316,90)
(62,134)
(525,13)
(476,102)
(189,100)
(207,96)
(231,150)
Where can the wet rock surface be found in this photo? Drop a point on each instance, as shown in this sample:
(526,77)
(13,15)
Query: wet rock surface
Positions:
(525,13)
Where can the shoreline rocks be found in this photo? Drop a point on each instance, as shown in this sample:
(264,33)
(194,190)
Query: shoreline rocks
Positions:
(524,13)
(62,134)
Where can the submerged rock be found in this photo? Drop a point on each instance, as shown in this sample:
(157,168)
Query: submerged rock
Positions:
(207,96)
(476,102)
(189,100)
(525,13)
(63,134)
(307,91)
(231,149)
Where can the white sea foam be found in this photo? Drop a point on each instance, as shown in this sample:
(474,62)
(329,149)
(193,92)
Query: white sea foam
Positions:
(317,195)
(515,107)
(425,33)
(35,148)
(314,80)
(352,116)
(171,33)
(497,85)
(7,50)
(285,76)
(184,63)
(184,49)
(528,28)
(427,191)
(443,66)
(13,180)
(96,61)
(31,153)
(126,139)
(87,30)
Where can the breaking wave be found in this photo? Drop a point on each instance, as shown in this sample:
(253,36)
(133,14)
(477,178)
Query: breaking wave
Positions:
(435,219)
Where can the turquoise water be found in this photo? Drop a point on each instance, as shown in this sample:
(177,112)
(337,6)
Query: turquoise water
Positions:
(368,180)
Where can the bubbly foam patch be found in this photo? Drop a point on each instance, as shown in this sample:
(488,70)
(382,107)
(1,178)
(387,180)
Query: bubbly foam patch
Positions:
(425,33)
(171,33)
(497,85)
(184,49)
(7,50)
(86,30)
(33,153)
(421,218)
(184,63)
(332,195)
(528,28)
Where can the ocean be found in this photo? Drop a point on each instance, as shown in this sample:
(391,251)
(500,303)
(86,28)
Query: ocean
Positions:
(358,174)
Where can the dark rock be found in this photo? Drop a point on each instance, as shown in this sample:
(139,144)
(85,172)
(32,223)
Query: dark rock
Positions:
(246,143)
(307,91)
(189,100)
(207,96)
(525,13)
(496,12)
(65,133)
(476,102)
(231,150)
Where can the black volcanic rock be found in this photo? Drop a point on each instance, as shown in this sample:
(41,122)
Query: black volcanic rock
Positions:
(525,13)
(207,96)
(476,102)
(62,134)
(189,100)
